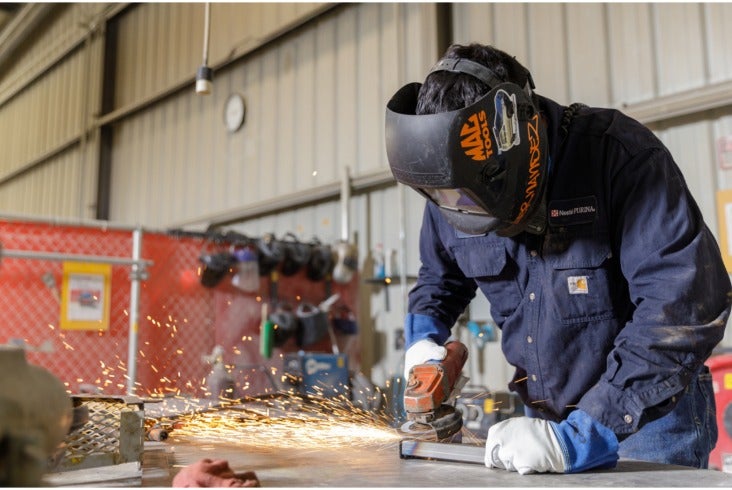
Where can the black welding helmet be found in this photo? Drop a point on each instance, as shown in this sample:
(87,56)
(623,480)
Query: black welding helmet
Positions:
(296,255)
(270,253)
(484,165)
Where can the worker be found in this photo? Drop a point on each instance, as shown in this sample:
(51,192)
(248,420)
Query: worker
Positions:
(577,225)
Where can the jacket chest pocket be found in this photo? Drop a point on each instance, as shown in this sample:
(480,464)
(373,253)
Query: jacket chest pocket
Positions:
(580,273)
(487,262)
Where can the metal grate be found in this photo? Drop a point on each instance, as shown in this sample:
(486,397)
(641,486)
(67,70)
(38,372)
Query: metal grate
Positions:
(112,434)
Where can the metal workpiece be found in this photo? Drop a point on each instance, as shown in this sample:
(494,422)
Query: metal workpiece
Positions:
(461,453)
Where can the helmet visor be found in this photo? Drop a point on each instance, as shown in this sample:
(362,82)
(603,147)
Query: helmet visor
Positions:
(454,200)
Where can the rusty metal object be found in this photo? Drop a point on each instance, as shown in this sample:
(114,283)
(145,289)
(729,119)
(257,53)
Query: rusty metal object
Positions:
(35,415)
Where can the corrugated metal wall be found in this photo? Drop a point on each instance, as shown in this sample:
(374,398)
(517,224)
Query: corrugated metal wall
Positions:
(46,100)
(314,105)
(315,78)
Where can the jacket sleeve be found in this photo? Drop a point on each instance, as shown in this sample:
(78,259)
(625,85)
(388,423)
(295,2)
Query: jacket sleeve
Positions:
(442,291)
(679,288)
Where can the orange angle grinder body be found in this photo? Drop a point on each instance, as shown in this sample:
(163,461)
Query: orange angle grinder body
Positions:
(430,389)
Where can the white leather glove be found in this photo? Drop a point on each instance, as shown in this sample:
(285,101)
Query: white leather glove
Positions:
(420,352)
(525,445)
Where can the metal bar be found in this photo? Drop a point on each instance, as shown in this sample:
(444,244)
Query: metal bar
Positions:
(443,451)
(687,103)
(134,312)
(39,160)
(81,222)
(97,259)
(295,200)
(345,204)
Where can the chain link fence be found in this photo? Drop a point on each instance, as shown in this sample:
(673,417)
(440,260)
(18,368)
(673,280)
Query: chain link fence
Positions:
(180,321)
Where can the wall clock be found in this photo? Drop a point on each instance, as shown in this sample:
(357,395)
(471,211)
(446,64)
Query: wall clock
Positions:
(234,111)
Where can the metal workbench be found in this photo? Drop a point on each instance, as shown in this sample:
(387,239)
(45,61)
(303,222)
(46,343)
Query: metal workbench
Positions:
(381,466)
(355,462)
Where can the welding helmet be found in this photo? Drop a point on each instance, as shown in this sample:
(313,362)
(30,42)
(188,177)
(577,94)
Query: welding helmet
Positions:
(215,267)
(296,255)
(320,264)
(484,165)
(270,253)
(286,325)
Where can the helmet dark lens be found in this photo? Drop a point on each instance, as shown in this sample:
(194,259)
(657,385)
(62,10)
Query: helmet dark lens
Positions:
(455,199)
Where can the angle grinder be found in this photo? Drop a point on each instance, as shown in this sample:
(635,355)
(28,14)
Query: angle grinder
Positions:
(430,394)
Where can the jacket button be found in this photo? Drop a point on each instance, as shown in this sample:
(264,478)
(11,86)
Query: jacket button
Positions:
(533,377)
(628,419)
(529,339)
(533,253)
(532,296)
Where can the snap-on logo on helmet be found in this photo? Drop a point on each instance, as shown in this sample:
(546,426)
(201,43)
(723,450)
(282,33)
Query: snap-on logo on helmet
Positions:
(476,137)
(534,167)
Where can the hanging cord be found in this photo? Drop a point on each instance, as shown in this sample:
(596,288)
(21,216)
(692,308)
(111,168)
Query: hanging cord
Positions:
(569,114)
(206,32)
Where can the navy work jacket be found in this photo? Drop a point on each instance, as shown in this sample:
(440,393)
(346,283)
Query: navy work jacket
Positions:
(617,305)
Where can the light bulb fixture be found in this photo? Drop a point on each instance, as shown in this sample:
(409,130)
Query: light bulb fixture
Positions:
(204,75)
(204,80)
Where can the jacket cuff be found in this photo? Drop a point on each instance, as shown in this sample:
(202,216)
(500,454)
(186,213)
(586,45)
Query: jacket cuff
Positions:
(419,327)
(622,418)
(585,443)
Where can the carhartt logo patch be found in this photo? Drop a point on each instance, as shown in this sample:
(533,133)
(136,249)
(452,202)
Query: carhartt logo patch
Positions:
(577,285)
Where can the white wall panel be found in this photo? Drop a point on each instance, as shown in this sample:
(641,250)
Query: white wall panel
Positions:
(612,53)
(587,51)
(632,55)
(680,45)
(548,65)
(722,129)
(693,149)
(47,117)
(67,24)
(717,19)
(155,53)
(314,106)
(52,190)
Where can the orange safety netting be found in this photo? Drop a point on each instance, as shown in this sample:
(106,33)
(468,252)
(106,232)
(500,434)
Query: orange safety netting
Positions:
(180,321)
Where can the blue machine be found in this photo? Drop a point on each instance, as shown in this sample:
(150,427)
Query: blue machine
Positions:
(318,373)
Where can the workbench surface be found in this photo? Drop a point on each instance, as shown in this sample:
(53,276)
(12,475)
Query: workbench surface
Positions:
(381,466)
(309,455)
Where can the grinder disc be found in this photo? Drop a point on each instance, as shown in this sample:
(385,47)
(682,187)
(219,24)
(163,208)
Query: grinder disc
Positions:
(449,422)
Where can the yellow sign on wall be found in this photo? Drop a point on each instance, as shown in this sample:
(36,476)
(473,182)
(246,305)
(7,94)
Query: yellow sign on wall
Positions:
(85,293)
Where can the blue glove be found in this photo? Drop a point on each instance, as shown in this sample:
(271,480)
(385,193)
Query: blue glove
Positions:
(529,445)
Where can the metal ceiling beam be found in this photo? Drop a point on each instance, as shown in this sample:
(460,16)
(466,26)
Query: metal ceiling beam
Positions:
(308,197)
(9,7)
(21,26)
